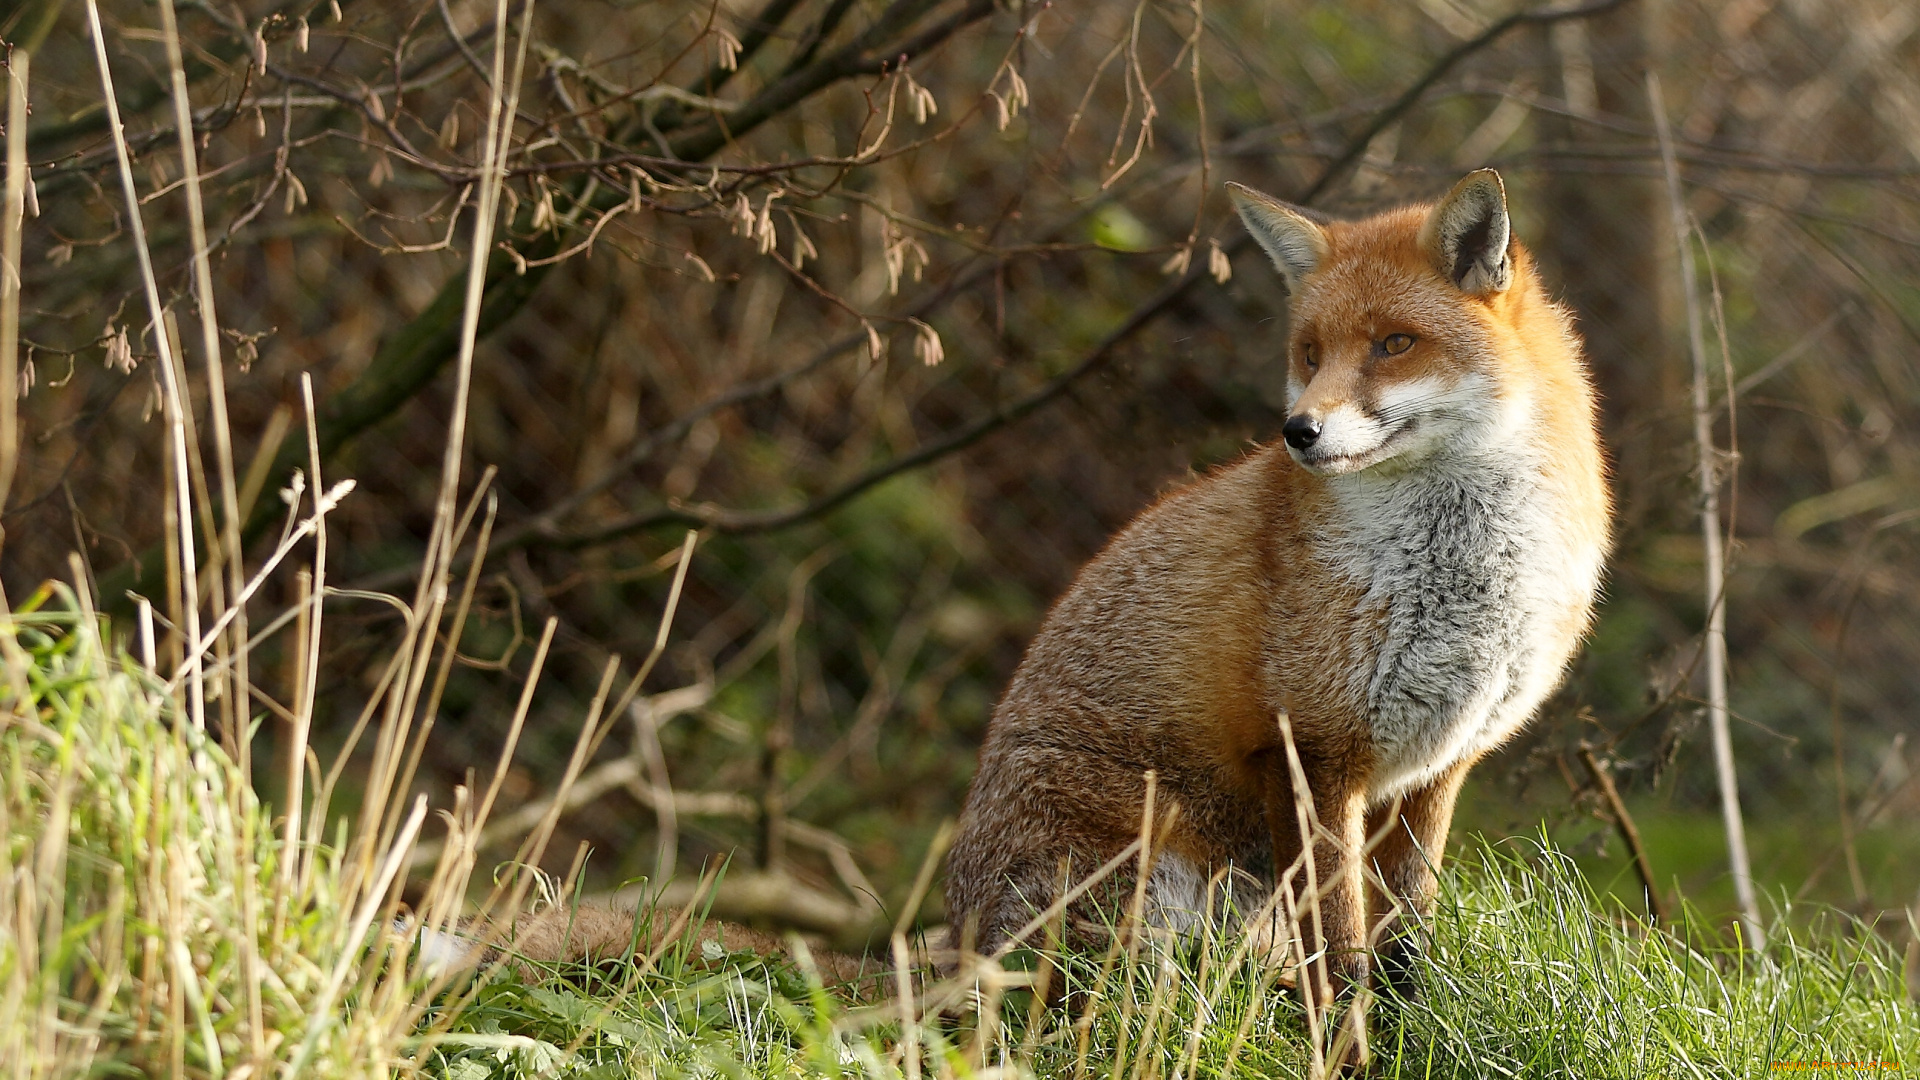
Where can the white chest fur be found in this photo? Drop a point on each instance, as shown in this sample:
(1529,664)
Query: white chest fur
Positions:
(1468,582)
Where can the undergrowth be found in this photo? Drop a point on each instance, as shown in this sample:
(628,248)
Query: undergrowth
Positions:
(150,906)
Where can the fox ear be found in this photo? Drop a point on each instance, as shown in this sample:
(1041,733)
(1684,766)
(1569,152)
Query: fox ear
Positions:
(1467,234)
(1292,239)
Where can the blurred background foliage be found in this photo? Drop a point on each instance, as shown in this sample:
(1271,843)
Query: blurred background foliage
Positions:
(907,341)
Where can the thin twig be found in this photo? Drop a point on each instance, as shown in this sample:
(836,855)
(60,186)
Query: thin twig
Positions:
(181,503)
(1388,116)
(1709,469)
(1603,779)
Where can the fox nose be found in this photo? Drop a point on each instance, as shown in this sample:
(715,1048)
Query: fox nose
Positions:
(1301,431)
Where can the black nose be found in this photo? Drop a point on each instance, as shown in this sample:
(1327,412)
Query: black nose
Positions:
(1301,431)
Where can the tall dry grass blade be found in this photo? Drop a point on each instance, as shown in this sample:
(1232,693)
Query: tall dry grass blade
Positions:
(667,846)
(430,595)
(510,893)
(260,466)
(529,815)
(455,629)
(519,722)
(1315,983)
(909,1048)
(321,1017)
(12,219)
(461,848)
(667,614)
(290,752)
(212,595)
(175,395)
(536,845)
(1133,929)
(501,115)
(316,813)
(295,861)
(236,729)
(229,551)
(412,733)
(1716,592)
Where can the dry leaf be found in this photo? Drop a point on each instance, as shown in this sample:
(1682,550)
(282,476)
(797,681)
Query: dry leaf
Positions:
(1218,264)
(926,344)
(729,47)
(119,351)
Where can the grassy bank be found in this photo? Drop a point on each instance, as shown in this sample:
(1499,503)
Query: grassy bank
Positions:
(1796,859)
(156,923)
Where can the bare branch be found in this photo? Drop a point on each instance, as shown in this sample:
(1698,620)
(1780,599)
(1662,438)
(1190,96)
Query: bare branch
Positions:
(756,521)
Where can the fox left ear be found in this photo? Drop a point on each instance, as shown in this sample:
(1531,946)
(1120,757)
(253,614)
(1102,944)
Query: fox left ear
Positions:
(1467,234)
(1291,238)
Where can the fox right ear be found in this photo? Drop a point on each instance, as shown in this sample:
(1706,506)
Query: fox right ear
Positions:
(1291,239)
(1467,232)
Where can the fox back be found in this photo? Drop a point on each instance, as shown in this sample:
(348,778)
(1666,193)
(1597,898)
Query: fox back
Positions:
(1404,576)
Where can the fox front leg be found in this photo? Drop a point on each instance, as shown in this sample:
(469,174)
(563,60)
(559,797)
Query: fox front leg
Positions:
(1412,834)
(1331,904)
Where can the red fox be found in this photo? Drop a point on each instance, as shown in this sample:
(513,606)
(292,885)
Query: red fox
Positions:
(1405,575)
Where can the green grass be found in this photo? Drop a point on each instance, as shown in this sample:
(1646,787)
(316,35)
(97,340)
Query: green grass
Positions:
(1795,857)
(152,924)
(1530,975)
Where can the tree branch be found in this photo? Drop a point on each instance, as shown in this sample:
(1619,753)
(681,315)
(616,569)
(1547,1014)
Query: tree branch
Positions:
(816,37)
(133,102)
(1411,96)
(738,522)
(866,54)
(753,521)
(410,358)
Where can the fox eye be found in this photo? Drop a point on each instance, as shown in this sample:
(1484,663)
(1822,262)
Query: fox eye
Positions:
(1310,356)
(1395,344)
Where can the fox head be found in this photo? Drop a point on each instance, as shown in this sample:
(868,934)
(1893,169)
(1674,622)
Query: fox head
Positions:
(1407,328)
